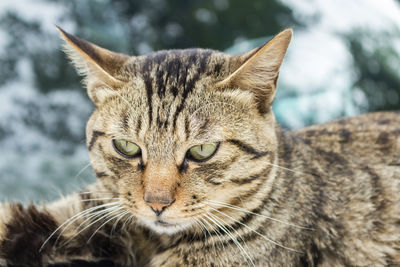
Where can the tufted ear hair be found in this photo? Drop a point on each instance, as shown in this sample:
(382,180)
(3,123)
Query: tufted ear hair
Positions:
(257,71)
(100,67)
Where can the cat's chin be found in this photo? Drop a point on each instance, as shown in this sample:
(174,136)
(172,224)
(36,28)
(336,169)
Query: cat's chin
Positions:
(164,227)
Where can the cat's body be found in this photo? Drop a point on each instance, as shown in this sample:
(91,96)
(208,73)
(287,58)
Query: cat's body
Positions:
(328,195)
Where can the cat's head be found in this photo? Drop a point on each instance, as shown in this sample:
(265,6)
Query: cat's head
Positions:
(177,133)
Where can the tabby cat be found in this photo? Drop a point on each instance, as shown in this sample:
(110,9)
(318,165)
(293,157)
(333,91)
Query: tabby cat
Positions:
(193,170)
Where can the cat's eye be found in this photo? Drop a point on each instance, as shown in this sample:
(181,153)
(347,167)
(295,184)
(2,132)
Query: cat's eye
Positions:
(202,152)
(126,148)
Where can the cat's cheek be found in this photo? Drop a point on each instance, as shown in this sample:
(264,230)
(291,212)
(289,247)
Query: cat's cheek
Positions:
(130,188)
(206,176)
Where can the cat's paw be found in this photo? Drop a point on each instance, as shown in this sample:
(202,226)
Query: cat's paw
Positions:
(23,234)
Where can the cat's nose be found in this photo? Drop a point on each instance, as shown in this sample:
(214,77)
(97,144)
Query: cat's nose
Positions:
(158,202)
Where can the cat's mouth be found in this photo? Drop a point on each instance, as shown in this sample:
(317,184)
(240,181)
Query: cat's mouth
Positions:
(164,223)
(163,226)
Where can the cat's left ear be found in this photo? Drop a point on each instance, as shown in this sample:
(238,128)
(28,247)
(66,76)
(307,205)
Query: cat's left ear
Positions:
(257,70)
(100,67)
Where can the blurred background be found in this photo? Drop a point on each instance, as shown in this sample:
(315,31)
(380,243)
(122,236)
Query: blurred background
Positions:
(344,60)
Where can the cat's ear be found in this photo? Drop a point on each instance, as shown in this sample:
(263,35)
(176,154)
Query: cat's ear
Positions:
(257,70)
(100,67)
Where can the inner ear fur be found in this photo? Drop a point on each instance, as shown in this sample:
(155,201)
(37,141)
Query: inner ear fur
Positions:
(100,67)
(258,70)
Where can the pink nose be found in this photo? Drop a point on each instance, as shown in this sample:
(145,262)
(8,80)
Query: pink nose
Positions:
(159,201)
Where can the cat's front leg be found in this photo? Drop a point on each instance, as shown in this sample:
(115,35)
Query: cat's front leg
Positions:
(76,227)
(5,216)
(23,231)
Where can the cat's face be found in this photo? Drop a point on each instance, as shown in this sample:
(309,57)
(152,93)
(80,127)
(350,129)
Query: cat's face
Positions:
(177,132)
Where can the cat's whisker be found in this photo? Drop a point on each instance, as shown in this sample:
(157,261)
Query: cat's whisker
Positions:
(113,229)
(96,192)
(96,214)
(216,231)
(87,212)
(286,169)
(207,231)
(88,216)
(244,253)
(197,224)
(108,213)
(224,224)
(120,215)
(68,222)
(127,221)
(131,218)
(203,229)
(228,225)
(230,206)
(82,170)
(256,232)
(118,94)
(97,199)
(219,235)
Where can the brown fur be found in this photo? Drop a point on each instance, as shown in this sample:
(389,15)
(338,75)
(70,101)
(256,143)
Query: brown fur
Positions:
(26,232)
(327,195)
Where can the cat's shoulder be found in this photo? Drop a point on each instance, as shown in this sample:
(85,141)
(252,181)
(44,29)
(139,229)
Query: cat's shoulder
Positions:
(372,138)
(381,125)
(356,166)
(366,122)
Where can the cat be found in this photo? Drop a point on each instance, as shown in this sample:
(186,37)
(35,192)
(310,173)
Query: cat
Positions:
(193,170)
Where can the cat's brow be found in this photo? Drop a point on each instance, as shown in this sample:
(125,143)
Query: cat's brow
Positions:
(205,124)
(248,148)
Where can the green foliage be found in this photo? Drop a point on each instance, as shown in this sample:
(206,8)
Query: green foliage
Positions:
(135,27)
(376,66)
(177,23)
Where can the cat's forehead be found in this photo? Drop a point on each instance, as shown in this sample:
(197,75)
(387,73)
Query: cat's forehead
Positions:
(174,97)
(171,83)
(181,67)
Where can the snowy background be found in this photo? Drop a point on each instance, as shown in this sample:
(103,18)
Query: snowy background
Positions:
(344,60)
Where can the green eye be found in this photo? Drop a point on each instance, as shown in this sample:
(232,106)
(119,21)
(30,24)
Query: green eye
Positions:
(202,152)
(126,148)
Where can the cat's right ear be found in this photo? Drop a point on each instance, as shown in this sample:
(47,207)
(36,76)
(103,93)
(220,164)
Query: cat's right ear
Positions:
(257,71)
(100,67)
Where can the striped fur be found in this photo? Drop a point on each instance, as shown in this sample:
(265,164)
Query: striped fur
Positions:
(327,195)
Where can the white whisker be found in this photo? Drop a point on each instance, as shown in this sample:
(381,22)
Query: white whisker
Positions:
(127,221)
(119,95)
(112,218)
(284,168)
(95,192)
(97,214)
(108,213)
(82,170)
(201,228)
(216,231)
(218,234)
(89,214)
(213,243)
(97,199)
(113,229)
(72,219)
(214,202)
(244,253)
(258,233)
